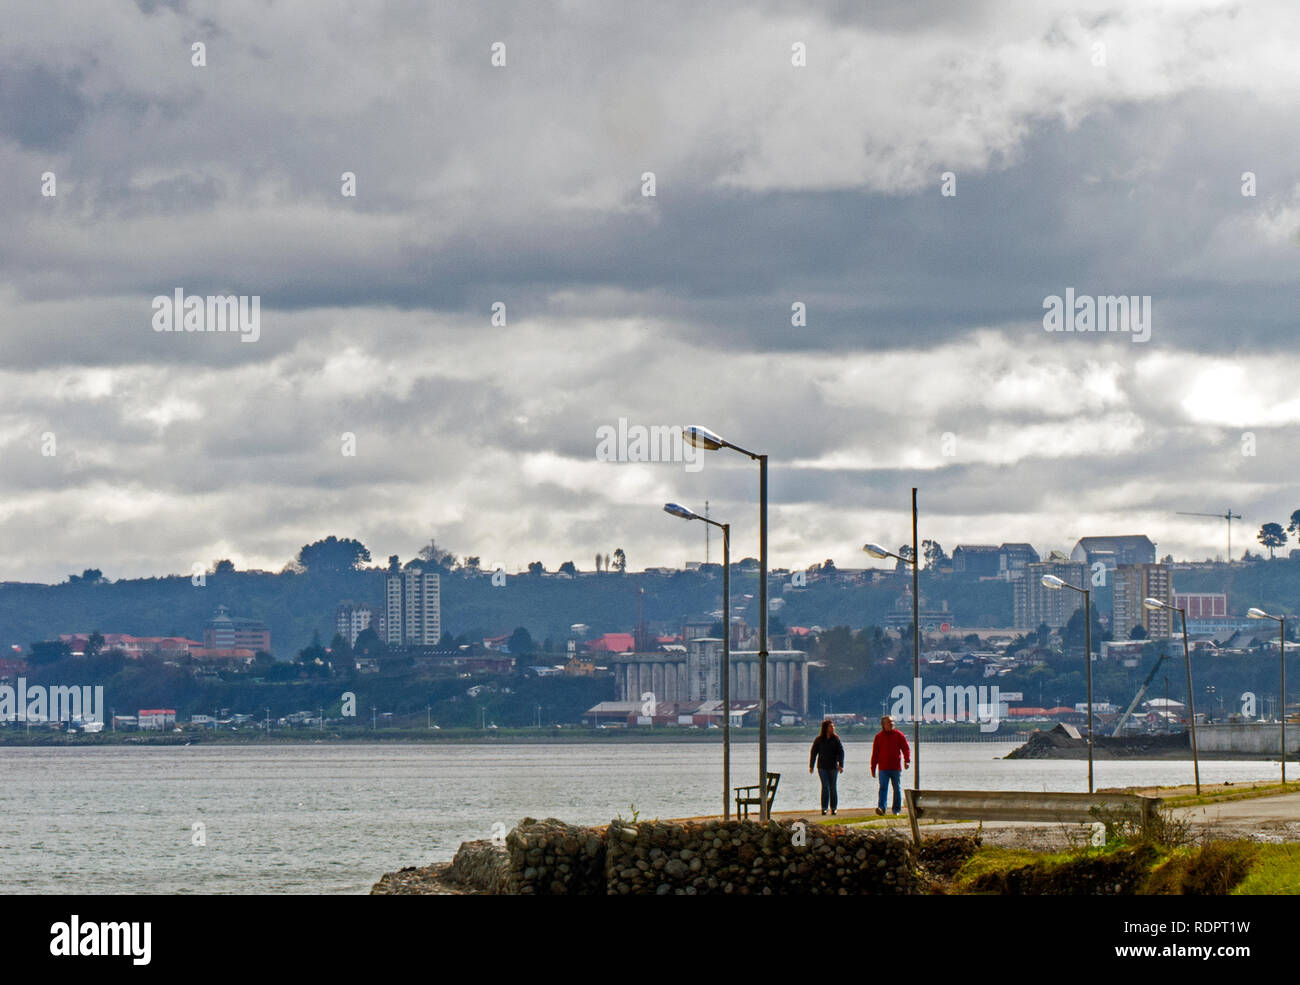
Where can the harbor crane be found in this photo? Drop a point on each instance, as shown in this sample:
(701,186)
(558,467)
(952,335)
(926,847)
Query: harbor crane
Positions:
(1229,516)
(1137,698)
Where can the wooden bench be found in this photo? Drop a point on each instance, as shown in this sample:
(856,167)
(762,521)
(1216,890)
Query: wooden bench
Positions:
(747,797)
(1018,805)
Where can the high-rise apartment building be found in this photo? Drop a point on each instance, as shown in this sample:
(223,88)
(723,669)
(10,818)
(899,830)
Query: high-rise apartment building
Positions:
(1035,603)
(1134,583)
(414,606)
(353,619)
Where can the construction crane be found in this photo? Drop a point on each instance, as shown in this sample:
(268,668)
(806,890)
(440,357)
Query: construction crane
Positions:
(1229,516)
(1123,719)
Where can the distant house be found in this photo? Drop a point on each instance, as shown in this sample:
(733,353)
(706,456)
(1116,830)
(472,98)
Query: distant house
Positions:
(157,718)
(230,657)
(612,643)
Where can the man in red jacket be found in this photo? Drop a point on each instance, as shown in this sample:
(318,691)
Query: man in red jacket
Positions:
(891,753)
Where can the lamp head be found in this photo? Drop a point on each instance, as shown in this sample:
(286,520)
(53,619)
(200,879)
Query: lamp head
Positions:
(1154,604)
(700,437)
(680,511)
(1257,614)
(1051,581)
(875,550)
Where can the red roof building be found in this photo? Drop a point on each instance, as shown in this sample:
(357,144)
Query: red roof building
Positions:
(613,643)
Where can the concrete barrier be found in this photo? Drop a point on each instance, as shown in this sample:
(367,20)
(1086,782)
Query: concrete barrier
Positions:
(1247,737)
(1022,805)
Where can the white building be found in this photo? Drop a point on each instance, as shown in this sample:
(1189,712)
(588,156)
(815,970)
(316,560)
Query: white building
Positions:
(157,718)
(353,619)
(414,608)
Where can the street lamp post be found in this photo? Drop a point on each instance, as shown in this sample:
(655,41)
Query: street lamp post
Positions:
(876,551)
(1281,645)
(700,437)
(1191,702)
(1053,582)
(685,514)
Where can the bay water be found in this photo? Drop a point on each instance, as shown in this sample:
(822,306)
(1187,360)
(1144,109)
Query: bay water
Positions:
(320,818)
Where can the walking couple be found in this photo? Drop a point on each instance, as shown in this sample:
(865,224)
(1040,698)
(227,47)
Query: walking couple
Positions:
(890,755)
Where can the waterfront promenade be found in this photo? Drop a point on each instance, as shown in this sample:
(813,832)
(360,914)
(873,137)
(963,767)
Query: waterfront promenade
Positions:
(1269,818)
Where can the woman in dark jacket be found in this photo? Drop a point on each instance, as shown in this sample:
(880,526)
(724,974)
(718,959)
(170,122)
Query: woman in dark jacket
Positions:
(828,756)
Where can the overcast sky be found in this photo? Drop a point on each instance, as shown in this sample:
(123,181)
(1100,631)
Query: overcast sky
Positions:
(1099,147)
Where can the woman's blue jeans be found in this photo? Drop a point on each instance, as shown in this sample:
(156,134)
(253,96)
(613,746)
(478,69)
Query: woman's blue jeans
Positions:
(829,793)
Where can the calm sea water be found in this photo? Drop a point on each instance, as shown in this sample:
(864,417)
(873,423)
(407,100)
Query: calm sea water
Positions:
(332,819)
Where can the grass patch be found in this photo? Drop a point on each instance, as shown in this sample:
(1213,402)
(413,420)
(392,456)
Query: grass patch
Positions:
(991,860)
(1222,795)
(1276,872)
(1215,868)
(1211,869)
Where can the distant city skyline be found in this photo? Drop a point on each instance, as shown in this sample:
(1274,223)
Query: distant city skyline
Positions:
(851,562)
(871,241)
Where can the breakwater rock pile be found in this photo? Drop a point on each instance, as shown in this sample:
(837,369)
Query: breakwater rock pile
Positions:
(627,858)
(1059,744)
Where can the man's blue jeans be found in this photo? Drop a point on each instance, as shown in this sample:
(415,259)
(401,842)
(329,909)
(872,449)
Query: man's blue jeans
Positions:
(888,777)
(829,793)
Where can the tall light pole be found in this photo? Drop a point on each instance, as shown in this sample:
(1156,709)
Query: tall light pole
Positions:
(685,514)
(1187,665)
(1053,582)
(876,551)
(1281,645)
(700,437)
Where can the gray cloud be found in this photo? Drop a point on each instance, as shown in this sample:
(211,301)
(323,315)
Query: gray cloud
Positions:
(522,185)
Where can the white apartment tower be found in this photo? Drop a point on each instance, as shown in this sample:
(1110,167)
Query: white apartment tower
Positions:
(414,608)
(352,619)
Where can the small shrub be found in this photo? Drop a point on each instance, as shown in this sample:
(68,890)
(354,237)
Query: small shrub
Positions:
(1124,827)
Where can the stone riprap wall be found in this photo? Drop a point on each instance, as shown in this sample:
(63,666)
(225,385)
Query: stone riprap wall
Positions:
(750,857)
(551,858)
(483,866)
